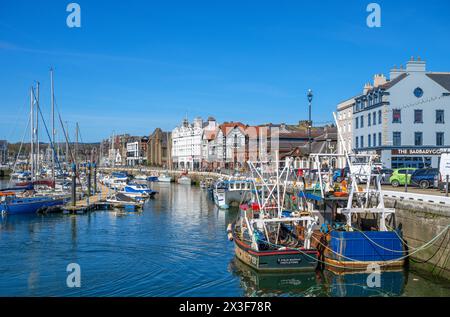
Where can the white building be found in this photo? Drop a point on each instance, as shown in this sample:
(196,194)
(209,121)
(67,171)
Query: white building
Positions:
(230,145)
(404,119)
(187,145)
(344,121)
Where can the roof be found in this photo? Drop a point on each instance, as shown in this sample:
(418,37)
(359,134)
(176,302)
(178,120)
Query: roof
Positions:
(209,134)
(387,85)
(232,125)
(442,79)
(394,81)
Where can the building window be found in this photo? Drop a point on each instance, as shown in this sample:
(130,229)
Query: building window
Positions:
(440,138)
(418,138)
(369,120)
(379,116)
(369,140)
(418,116)
(374,118)
(379,139)
(357,123)
(374,139)
(357,142)
(396,116)
(362,121)
(396,138)
(362,141)
(439,116)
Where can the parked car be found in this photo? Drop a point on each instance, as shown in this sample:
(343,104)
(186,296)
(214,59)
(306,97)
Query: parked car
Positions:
(385,174)
(399,177)
(425,177)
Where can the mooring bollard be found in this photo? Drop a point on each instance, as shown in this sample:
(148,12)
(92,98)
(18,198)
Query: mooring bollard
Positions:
(74,185)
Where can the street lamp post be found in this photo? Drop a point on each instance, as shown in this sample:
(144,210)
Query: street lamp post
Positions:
(310,97)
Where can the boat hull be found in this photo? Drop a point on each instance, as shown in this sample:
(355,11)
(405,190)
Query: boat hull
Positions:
(164,179)
(278,260)
(184,181)
(351,251)
(30,205)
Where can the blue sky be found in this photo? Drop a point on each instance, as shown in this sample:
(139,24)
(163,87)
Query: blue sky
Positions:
(137,65)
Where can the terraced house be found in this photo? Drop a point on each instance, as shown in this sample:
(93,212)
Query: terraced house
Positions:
(404,119)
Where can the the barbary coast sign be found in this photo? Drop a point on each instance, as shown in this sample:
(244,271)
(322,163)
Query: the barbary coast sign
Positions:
(417,152)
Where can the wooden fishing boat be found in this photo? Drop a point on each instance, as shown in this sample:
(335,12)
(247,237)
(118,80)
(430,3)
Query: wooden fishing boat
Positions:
(266,236)
(264,257)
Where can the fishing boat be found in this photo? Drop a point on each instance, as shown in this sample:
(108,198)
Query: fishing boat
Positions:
(230,191)
(356,229)
(268,237)
(362,232)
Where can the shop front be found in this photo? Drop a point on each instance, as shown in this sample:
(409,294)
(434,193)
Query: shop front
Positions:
(415,158)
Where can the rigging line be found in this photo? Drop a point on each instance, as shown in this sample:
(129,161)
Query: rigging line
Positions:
(20,148)
(51,142)
(67,138)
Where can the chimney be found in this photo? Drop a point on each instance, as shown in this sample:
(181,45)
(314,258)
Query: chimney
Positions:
(367,87)
(378,80)
(416,65)
(395,72)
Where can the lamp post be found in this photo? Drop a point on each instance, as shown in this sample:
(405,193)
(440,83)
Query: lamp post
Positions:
(310,98)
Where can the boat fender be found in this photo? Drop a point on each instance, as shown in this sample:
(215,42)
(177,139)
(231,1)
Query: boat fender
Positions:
(229,227)
(230,236)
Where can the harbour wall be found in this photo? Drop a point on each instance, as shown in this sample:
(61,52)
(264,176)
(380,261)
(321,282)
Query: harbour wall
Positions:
(196,177)
(421,221)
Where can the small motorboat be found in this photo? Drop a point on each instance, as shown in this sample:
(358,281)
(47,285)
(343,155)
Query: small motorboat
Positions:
(184,180)
(165,178)
(152,179)
(141,177)
(138,191)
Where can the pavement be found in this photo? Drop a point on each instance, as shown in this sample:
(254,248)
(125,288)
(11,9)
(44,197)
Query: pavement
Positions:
(414,190)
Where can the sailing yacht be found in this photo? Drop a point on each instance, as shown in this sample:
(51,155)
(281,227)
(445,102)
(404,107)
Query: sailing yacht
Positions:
(26,199)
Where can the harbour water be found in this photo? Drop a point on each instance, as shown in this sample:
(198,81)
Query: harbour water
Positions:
(176,246)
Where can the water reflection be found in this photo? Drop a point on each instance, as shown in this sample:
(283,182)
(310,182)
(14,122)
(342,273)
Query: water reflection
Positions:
(356,285)
(255,283)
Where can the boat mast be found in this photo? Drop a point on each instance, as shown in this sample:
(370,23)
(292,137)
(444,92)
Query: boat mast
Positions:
(67,144)
(76,144)
(31,133)
(53,122)
(37,128)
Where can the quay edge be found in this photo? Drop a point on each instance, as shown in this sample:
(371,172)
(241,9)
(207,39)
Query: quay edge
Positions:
(421,222)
